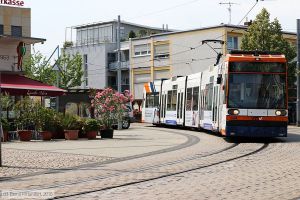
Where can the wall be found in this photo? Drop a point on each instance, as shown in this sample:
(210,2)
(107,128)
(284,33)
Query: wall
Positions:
(97,63)
(18,17)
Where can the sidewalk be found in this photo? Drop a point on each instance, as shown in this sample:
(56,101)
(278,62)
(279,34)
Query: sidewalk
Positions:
(21,158)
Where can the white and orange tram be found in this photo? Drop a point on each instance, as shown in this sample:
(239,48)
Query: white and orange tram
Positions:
(246,96)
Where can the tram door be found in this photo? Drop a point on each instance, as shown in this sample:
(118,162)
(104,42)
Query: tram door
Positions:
(180,94)
(215,111)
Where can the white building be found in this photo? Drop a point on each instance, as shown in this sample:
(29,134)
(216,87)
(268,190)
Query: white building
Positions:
(97,43)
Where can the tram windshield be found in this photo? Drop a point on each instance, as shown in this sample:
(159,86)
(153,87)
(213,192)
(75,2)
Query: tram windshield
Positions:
(257,91)
(152,100)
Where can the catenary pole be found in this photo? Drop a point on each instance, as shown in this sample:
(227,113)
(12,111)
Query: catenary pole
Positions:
(298,70)
(119,72)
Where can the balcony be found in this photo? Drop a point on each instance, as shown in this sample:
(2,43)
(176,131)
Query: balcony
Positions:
(114,66)
(123,87)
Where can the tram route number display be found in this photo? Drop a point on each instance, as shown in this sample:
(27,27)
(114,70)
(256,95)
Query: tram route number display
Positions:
(12,2)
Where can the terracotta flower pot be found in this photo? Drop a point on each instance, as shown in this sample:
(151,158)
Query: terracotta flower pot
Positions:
(25,135)
(71,134)
(107,133)
(5,136)
(46,135)
(91,135)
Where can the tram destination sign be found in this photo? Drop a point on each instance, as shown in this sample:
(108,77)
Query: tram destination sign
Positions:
(12,3)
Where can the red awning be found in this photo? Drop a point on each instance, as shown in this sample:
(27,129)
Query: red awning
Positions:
(15,84)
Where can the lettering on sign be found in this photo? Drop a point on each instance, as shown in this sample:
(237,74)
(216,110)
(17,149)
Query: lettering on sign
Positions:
(4,57)
(36,93)
(12,2)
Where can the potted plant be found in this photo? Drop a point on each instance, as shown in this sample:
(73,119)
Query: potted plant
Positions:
(5,128)
(109,107)
(71,125)
(47,123)
(25,110)
(91,128)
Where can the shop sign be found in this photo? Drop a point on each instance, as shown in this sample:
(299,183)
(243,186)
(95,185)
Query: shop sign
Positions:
(12,3)
(36,93)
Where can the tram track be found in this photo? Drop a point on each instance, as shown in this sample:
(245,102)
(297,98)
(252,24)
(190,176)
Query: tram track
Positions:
(264,146)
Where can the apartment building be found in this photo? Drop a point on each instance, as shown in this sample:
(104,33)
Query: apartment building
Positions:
(181,53)
(97,43)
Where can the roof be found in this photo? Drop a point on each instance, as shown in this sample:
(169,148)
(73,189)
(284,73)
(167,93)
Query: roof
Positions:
(26,40)
(234,27)
(16,84)
(115,21)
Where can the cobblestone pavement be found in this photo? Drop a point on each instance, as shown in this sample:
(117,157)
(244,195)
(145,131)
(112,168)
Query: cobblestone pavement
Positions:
(209,169)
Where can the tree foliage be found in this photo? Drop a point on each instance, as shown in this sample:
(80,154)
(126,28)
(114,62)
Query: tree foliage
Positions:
(265,35)
(70,70)
(131,34)
(37,68)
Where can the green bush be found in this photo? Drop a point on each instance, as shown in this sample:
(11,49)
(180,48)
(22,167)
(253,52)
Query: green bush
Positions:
(5,124)
(91,125)
(71,122)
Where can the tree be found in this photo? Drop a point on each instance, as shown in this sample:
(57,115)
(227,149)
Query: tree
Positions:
(131,34)
(70,70)
(37,68)
(265,35)
(142,33)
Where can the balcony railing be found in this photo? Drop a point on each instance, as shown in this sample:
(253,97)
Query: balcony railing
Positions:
(114,66)
(123,87)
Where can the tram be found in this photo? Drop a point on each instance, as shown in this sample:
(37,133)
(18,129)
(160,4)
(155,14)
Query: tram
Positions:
(246,95)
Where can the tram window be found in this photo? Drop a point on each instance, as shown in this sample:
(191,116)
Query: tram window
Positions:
(189,99)
(169,100)
(181,105)
(209,95)
(156,99)
(195,98)
(225,88)
(165,99)
(174,100)
(178,105)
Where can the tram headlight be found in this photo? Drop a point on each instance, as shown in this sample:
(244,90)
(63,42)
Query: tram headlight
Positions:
(233,112)
(280,113)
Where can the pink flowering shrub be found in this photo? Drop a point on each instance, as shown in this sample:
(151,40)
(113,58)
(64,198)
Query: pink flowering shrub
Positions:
(110,106)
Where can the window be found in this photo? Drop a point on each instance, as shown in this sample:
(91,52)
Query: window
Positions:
(195,98)
(1,29)
(71,108)
(16,31)
(162,51)
(189,99)
(152,100)
(85,70)
(232,43)
(143,49)
(209,99)
(172,100)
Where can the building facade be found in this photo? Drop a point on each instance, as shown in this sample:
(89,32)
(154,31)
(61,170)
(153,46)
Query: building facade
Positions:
(97,43)
(181,53)
(15,31)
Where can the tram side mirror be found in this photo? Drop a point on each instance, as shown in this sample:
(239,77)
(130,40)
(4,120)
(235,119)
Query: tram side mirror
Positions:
(219,79)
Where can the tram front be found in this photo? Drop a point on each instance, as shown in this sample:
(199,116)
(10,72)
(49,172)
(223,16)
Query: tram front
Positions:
(256,95)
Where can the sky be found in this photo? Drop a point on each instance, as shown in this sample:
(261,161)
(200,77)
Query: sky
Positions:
(49,19)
